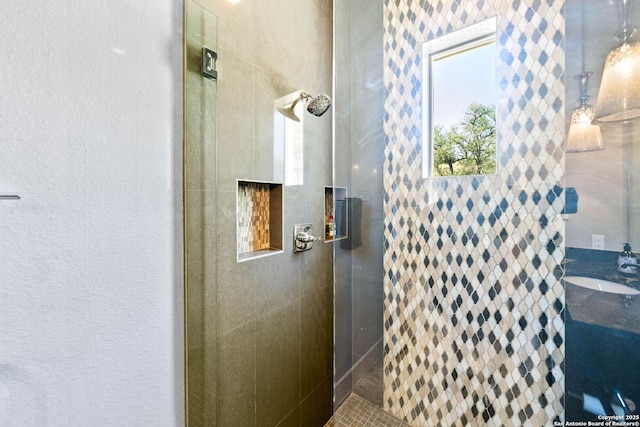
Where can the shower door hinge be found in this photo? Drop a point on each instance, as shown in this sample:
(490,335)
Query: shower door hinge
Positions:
(209,59)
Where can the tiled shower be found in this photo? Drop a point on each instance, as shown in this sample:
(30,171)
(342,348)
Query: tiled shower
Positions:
(258,315)
(455,283)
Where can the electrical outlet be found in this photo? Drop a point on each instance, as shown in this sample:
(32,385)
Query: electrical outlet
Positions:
(597,241)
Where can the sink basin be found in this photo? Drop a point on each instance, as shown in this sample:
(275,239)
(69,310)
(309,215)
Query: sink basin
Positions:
(601,285)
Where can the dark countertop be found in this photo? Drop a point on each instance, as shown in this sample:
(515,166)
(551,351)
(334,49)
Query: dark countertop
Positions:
(601,308)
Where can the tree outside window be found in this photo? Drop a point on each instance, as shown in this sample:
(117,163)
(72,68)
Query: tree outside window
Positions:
(468,147)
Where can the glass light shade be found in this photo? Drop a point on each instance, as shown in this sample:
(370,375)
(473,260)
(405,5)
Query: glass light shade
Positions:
(583,134)
(619,96)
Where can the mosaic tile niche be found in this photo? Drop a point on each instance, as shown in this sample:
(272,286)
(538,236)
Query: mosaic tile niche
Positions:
(474,331)
(259,226)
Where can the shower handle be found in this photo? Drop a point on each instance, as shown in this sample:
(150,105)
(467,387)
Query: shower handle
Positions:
(303,237)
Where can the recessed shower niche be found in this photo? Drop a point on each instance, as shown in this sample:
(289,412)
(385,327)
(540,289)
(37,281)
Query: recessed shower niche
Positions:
(259,219)
(335,213)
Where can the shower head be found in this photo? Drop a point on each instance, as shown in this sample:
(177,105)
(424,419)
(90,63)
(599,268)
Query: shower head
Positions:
(315,105)
(319,105)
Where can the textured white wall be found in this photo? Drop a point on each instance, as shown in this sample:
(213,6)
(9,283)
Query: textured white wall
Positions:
(91,257)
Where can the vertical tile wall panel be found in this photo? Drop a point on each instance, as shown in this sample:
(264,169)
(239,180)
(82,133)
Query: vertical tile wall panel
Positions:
(473,324)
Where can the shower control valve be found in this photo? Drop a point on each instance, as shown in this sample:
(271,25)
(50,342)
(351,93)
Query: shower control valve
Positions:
(303,237)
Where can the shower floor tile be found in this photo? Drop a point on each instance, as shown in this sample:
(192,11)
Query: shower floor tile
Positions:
(357,412)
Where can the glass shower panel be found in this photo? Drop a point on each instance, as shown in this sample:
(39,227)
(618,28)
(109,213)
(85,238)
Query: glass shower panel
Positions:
(358,157)
(342,382)
(601,280)
(200,102)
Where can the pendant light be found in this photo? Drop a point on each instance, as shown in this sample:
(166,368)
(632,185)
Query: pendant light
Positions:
(619,96)
(583,134)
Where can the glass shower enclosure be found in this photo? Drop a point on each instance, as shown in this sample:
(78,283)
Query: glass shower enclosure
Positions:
(601,213)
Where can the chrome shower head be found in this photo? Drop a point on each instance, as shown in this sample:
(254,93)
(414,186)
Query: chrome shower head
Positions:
(316,105)
(319,105)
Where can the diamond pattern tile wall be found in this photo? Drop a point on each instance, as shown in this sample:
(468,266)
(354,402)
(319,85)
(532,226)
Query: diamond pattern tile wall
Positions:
(473,295)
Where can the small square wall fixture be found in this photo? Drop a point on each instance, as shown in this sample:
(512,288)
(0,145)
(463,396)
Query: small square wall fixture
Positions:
(259,227)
